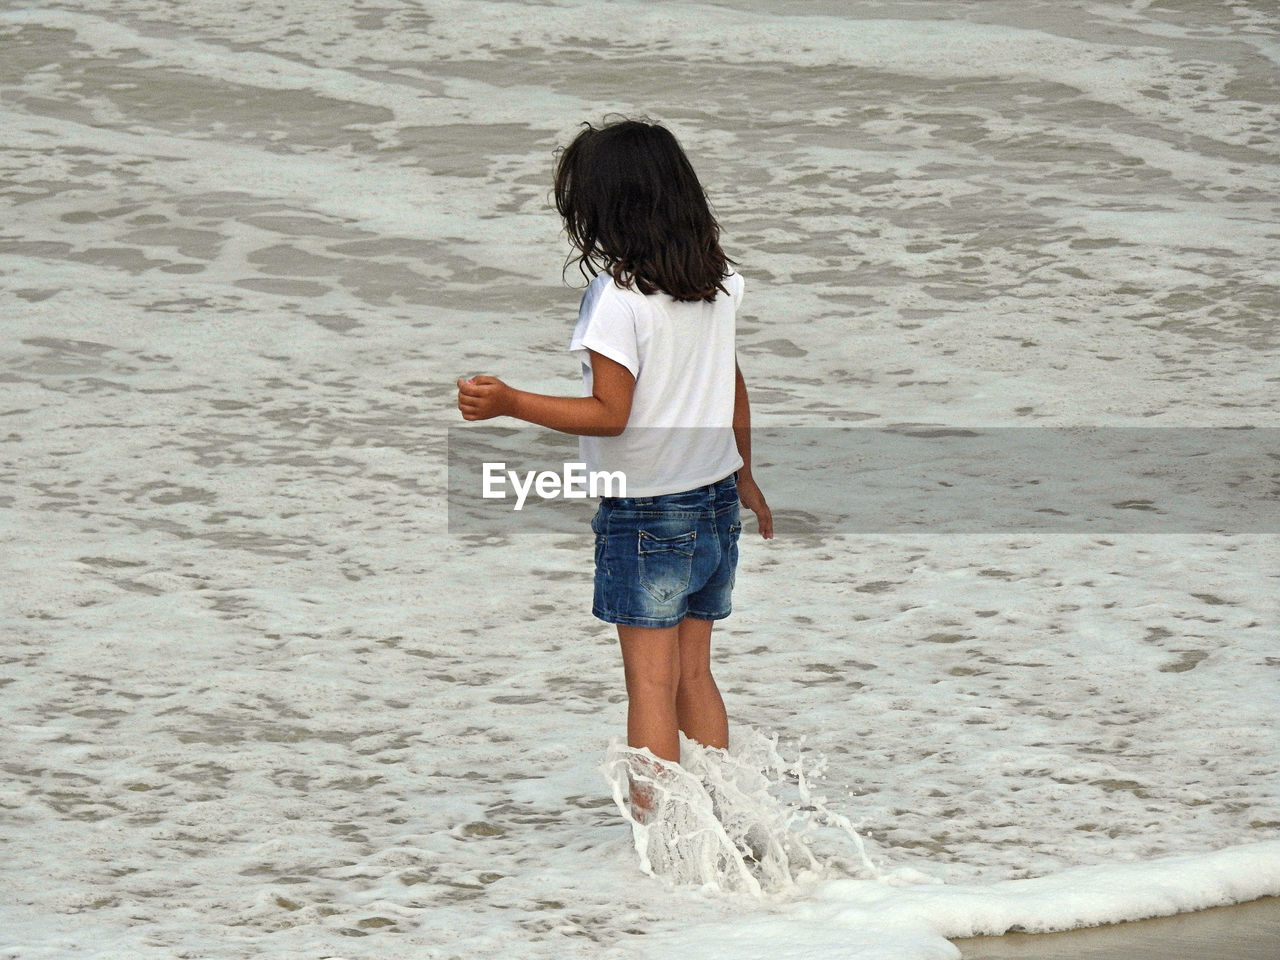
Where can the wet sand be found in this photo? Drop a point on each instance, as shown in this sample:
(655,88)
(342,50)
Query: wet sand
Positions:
(1248,931)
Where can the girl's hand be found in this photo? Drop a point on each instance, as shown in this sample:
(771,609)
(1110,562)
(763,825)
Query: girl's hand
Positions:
(751,497)
(482,398)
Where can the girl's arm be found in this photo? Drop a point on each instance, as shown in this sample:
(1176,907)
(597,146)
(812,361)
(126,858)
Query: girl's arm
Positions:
(748,490)
(603,414)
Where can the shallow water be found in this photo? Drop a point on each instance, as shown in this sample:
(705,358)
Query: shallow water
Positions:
(260,703)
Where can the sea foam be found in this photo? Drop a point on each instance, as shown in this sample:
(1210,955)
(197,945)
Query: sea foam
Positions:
(735,820)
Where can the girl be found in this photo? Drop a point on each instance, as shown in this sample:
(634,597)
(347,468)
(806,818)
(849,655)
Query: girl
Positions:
(665,403)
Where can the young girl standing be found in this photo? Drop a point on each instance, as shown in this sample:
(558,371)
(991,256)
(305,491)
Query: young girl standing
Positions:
(665,403)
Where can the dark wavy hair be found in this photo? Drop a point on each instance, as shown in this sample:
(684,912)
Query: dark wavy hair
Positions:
(633,207)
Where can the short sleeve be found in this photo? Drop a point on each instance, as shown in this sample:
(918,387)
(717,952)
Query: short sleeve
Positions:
(736,287)
(607,325)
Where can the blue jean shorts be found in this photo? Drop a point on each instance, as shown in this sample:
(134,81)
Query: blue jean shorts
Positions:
(661,559)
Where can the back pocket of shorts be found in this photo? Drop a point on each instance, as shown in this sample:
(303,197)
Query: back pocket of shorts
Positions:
(666,564)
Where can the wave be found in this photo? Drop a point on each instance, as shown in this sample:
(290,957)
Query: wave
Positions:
(742,822)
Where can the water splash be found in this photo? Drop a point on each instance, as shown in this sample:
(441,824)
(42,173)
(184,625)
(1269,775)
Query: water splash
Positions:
(739,820)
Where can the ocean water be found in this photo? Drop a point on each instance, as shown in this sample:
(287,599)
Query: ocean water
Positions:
(259,702)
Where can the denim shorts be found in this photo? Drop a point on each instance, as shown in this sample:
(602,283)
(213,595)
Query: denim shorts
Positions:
(661,559)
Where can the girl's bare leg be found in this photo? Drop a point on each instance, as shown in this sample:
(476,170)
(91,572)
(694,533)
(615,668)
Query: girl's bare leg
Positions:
(670,689)
(651,663)
(699,706)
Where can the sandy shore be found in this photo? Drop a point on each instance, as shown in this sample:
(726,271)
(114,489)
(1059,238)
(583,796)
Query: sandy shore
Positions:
(1249,931)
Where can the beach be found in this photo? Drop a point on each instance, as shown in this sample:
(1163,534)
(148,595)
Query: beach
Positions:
(1246,932)
(272,691)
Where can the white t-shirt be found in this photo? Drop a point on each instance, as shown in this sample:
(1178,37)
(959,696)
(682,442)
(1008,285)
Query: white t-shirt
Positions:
(680,432)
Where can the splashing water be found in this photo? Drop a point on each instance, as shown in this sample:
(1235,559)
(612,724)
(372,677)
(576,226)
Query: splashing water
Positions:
(736,820)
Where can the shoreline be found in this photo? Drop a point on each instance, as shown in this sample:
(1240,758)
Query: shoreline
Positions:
(1245,931)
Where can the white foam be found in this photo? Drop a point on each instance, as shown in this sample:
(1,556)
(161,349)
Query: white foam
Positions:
(718,819)
(867,919)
